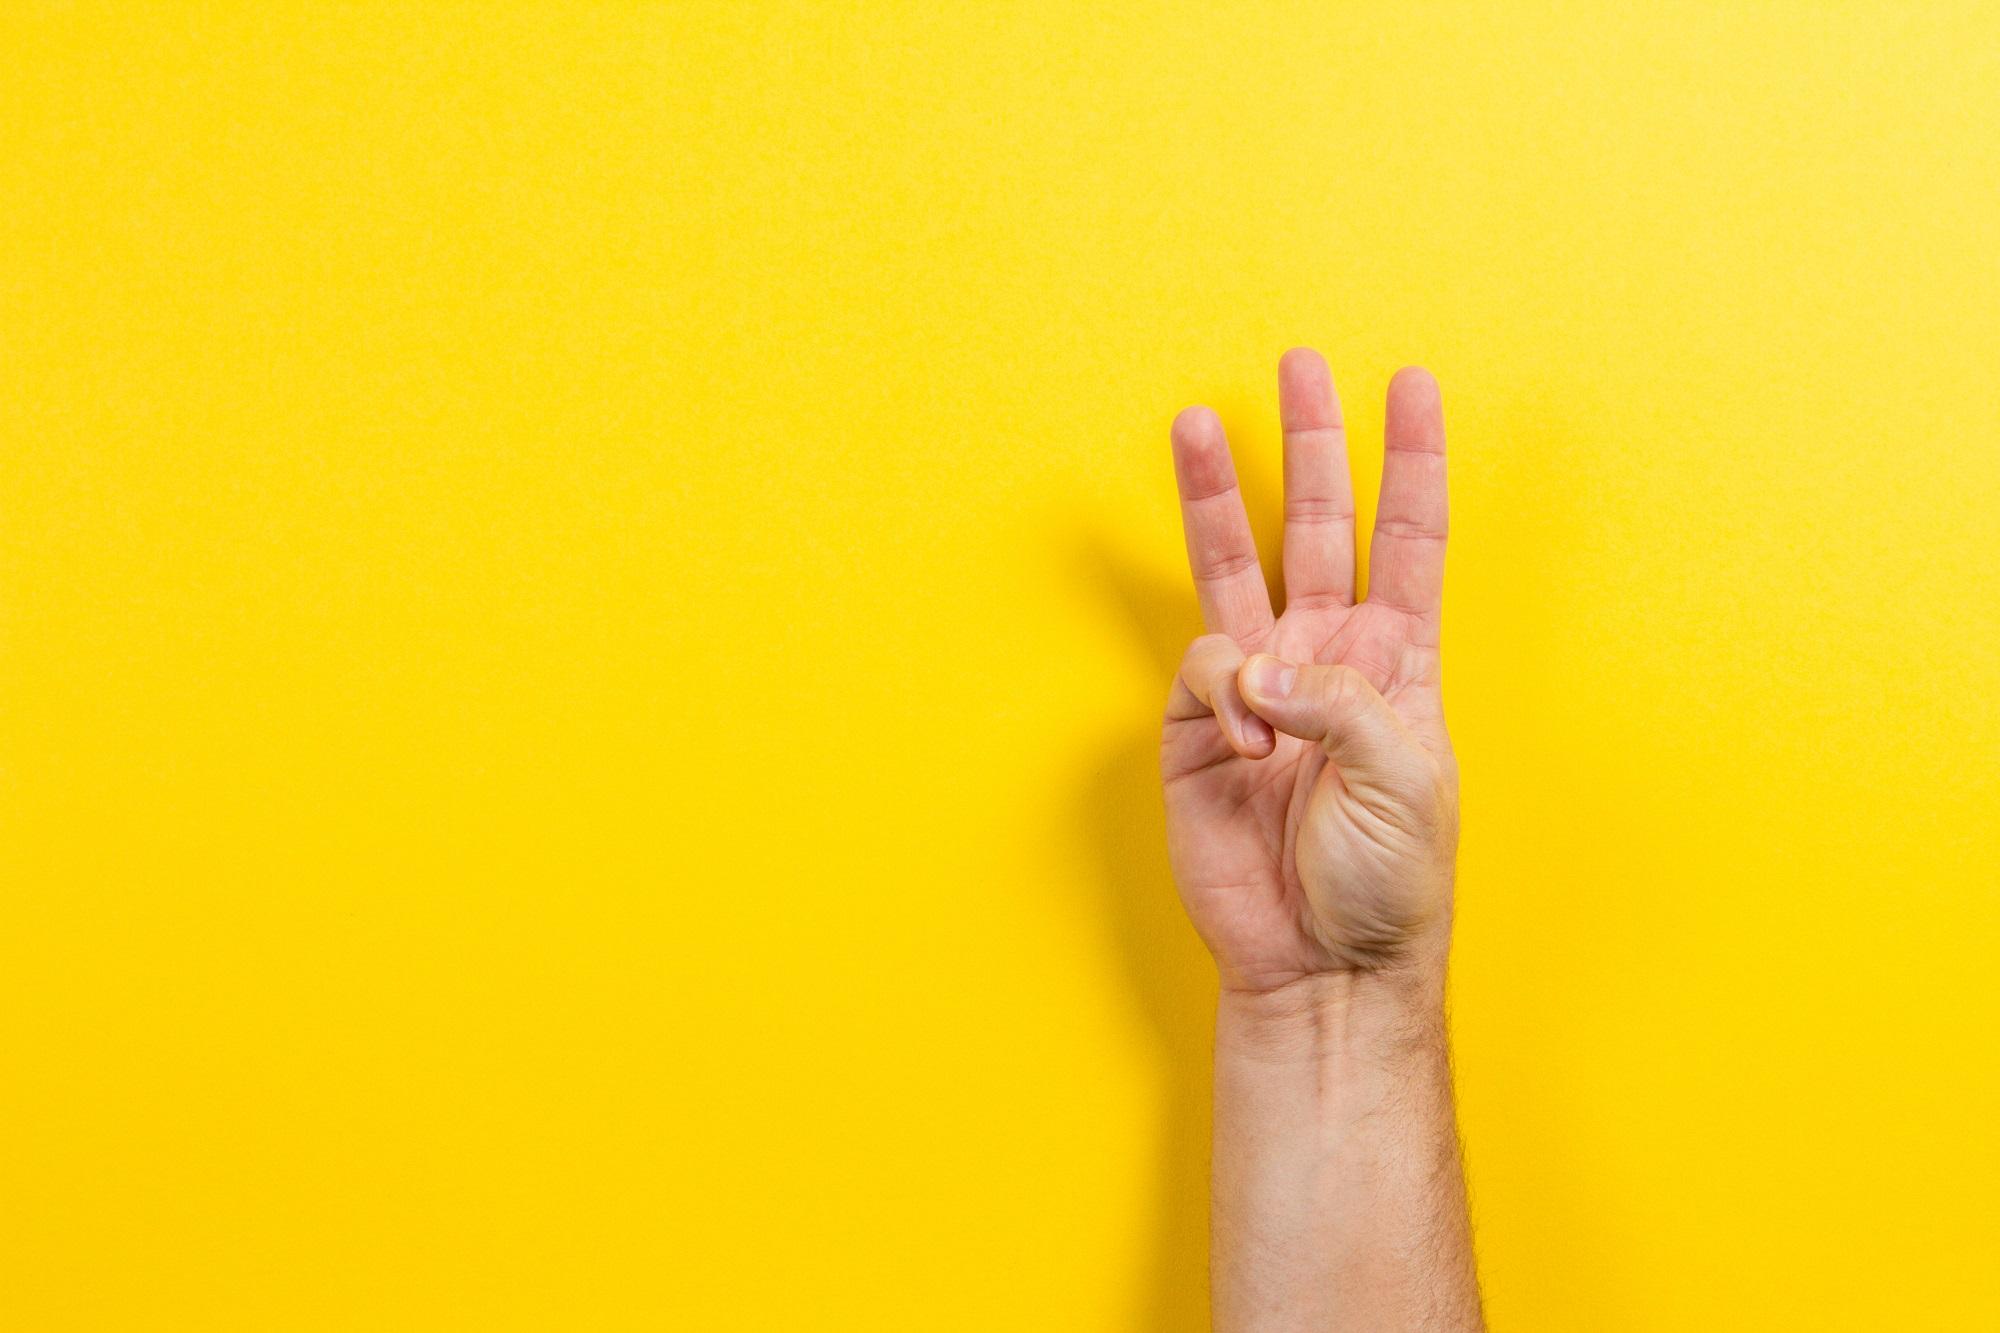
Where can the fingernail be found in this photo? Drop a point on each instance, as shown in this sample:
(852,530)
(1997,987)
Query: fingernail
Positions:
(1258,732)
(1269,677)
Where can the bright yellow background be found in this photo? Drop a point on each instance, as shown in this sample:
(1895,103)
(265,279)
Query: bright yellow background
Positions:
(586,591)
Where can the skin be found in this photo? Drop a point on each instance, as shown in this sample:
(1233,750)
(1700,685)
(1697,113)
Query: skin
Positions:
(1312,823)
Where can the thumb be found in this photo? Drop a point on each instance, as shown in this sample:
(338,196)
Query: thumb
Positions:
(1337,707)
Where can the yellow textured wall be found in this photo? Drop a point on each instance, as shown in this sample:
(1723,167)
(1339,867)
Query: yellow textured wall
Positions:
(584,592)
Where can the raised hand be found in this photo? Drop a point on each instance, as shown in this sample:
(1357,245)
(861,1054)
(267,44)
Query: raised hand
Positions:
(1312,796)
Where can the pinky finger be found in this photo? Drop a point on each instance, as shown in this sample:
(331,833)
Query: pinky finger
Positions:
(1206,687)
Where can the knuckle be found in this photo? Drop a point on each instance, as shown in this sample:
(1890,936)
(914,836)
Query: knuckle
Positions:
(1210,654)
(1342,690)
(1208,662)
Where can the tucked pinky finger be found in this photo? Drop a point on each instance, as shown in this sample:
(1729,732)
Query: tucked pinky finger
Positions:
(1206,686)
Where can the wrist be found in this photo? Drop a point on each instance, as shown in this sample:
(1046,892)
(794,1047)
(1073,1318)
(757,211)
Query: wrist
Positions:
(1372,1016)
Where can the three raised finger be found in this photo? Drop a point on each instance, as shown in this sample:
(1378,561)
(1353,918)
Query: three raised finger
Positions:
(1221,552)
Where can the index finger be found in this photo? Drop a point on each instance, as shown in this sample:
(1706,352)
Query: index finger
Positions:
(1406,557)
(1221,552)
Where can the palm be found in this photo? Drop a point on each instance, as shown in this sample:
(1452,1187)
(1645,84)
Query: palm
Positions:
(1267,900)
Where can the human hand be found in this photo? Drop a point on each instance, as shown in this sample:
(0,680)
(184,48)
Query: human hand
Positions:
(1311,791)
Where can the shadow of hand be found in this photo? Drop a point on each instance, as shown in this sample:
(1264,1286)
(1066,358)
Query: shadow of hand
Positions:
(1170,978)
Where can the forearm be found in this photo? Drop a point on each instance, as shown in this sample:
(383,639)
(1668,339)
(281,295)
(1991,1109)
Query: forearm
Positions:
(1338,1198)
